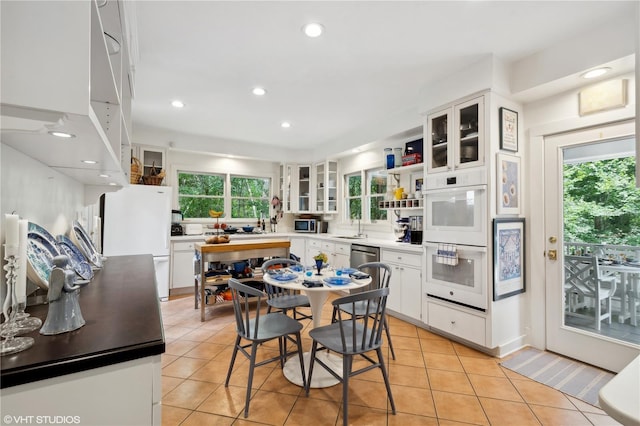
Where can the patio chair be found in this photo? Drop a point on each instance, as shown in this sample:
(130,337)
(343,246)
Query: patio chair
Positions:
(583,278)
(281,298)
(351,335)
(259,329)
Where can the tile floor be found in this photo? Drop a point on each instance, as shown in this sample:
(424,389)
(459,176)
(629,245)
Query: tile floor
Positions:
(434,381)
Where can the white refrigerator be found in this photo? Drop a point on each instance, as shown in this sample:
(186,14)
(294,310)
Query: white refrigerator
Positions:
(137,220)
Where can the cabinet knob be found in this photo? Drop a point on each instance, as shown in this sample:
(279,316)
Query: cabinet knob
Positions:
(453,323)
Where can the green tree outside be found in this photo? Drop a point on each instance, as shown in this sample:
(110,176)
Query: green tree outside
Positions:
(601,202)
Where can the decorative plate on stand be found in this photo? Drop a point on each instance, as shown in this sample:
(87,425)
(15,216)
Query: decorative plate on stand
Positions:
(77,260)
(82,240)
(41,249)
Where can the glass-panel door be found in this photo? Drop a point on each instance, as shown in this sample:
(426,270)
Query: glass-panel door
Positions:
(592,221)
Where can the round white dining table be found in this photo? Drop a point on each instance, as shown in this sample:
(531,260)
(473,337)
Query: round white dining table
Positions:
(317,297)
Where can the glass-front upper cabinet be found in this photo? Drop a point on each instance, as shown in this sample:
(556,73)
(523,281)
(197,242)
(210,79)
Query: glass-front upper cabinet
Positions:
(326,187)
(304,188)
(455,136)
(286,173)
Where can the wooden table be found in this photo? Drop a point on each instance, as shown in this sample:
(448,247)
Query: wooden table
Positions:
(234,251)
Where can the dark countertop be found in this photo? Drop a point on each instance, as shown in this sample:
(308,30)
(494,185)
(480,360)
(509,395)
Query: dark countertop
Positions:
(123,322)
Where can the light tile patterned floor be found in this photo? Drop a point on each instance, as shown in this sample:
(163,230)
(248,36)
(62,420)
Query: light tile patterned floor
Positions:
(434,382)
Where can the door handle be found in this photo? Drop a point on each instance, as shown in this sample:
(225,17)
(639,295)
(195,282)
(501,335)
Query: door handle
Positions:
(553,254)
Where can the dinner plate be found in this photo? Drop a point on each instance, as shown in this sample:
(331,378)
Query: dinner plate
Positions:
(77,260)
(41,249)
(84,243)
(337,280)
(285,277)
(347,271)
(296,268)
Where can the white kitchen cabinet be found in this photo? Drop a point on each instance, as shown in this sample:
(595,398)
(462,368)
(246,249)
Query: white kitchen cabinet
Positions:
(314,246)
(67,78)
(304,181)
(342,255)
(405,286)
(182,272)
(298,247)
(326,187)
(286,182)
(455,136)
(457,322)
(150,157)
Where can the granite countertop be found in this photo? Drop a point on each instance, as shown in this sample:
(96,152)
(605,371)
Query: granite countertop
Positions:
(123,322)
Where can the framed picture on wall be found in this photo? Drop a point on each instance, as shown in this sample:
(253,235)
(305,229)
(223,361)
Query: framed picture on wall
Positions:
(508,184)
(508,130)
(508,258)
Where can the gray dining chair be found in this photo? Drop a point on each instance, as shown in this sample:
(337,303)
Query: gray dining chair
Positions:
(281,298)
(383,272)
(350,336)
(257,329)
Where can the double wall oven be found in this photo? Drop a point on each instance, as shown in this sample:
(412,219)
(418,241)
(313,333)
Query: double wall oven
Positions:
(455,238)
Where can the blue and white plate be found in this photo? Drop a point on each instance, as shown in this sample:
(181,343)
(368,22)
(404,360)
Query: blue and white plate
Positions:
(337,280)
(41,249)
(285,277)
(296,268)
(84,243)
(347,271)
(77,260)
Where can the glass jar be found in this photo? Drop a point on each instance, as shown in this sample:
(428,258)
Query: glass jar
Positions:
(397,157)
(389,159)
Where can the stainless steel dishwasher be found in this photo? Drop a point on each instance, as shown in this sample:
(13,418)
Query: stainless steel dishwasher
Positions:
(364,254)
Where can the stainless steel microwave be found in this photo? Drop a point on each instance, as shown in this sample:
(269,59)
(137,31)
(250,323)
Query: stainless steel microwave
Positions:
(305,225)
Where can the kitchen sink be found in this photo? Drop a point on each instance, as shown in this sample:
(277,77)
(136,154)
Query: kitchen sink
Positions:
(350,237)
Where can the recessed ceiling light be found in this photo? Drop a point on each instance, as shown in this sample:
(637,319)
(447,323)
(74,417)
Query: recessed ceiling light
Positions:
(355,150)
(62,134)
(259,91)
(89,162)
(112,183)
(177,104)
(285,125)
(596,72)
(313,29)
(104,175)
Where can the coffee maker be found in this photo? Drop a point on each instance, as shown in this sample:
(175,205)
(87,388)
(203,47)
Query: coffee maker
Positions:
(176,219)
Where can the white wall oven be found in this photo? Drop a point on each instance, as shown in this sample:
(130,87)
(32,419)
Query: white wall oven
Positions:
(456,209)
(458,276)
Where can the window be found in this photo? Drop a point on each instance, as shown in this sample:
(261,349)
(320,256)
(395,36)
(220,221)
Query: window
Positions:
(245,197)
(354,195)
(249,197)
(362,202)
(377,183)
(200,192)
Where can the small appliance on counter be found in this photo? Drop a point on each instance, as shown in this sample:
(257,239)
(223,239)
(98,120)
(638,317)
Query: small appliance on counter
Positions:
(176,226)
(193,229)
(402,231)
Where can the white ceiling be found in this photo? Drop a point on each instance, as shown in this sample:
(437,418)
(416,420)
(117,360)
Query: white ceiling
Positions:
(370,64)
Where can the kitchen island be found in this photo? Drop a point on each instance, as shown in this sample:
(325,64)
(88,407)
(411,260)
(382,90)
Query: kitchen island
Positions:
(106,372)
(234,251)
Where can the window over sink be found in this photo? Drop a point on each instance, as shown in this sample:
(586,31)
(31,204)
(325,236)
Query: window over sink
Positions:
(246,197)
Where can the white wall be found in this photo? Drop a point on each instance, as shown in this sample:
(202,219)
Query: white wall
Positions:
(555,114)
(38,193)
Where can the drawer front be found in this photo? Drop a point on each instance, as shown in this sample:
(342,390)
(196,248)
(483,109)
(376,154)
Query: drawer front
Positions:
(404,258)
(313,243)
(461,324)
(328,247)
(343,249)
(185,246)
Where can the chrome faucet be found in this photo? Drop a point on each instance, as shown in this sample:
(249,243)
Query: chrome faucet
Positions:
(360,234)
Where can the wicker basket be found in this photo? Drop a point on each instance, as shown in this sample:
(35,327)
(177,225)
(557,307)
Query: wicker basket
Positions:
(136,170)
(155,177)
